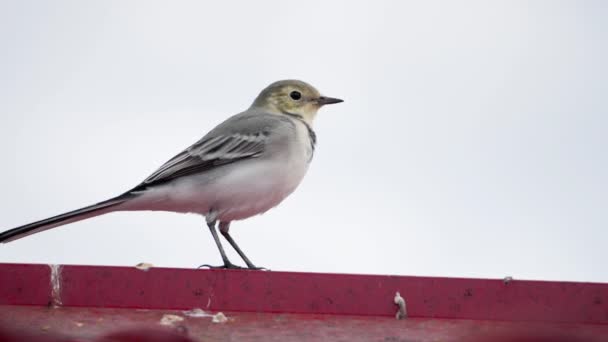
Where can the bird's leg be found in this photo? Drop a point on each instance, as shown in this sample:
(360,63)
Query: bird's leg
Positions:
(224,228)
(227,263)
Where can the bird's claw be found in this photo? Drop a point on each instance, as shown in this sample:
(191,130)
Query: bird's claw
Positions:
(231,266)
(255,268)
(227,266)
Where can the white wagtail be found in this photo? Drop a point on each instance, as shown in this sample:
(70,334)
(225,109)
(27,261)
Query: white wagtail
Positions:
(243,167)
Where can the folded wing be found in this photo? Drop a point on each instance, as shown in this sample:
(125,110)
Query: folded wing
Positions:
(209,153)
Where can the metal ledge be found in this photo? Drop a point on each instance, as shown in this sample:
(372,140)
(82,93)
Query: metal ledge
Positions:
(343,303)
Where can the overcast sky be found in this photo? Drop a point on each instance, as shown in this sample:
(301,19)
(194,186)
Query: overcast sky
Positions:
(471,143)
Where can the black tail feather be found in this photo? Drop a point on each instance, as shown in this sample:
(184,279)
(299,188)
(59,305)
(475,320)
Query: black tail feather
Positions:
(59,220)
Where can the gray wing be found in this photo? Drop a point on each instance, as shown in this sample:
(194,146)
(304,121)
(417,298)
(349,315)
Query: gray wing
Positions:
(243,136)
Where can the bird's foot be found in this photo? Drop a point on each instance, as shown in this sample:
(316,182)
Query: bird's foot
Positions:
(231,266)
(228,266)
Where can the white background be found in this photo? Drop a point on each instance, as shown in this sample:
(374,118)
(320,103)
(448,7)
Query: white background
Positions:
(472,142)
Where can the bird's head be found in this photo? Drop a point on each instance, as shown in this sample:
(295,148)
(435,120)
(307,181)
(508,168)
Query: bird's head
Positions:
(292,97)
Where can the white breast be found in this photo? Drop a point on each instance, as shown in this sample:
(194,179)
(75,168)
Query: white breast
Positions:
(263,185)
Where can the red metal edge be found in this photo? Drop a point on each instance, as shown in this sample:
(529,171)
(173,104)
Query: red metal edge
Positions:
(306,293)
(25,284)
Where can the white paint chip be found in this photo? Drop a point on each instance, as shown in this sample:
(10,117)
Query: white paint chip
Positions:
(196,312)
(56,284)
(169,319)
(219,318)
(144,266)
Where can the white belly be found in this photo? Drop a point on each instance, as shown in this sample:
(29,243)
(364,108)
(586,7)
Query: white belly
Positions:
(245,190)
(254,190)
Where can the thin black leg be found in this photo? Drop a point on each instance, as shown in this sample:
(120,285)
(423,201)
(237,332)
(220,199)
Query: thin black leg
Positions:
(224,228)
(227,263)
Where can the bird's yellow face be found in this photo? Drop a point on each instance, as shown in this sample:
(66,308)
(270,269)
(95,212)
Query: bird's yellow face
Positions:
(292,97)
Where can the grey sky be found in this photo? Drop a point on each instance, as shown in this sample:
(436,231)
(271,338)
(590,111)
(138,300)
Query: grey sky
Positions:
(472,142)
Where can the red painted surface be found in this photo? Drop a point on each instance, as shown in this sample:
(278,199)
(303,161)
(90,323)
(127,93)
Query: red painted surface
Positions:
(287,292)
(94,324)
(303,304)
(25,284)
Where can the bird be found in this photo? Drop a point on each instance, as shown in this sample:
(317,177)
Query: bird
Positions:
(243,167)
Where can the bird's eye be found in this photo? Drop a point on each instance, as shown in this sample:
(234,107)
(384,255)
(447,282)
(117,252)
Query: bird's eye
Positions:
(296,95)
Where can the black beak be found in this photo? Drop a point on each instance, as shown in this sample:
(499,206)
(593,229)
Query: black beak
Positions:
(323,100)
